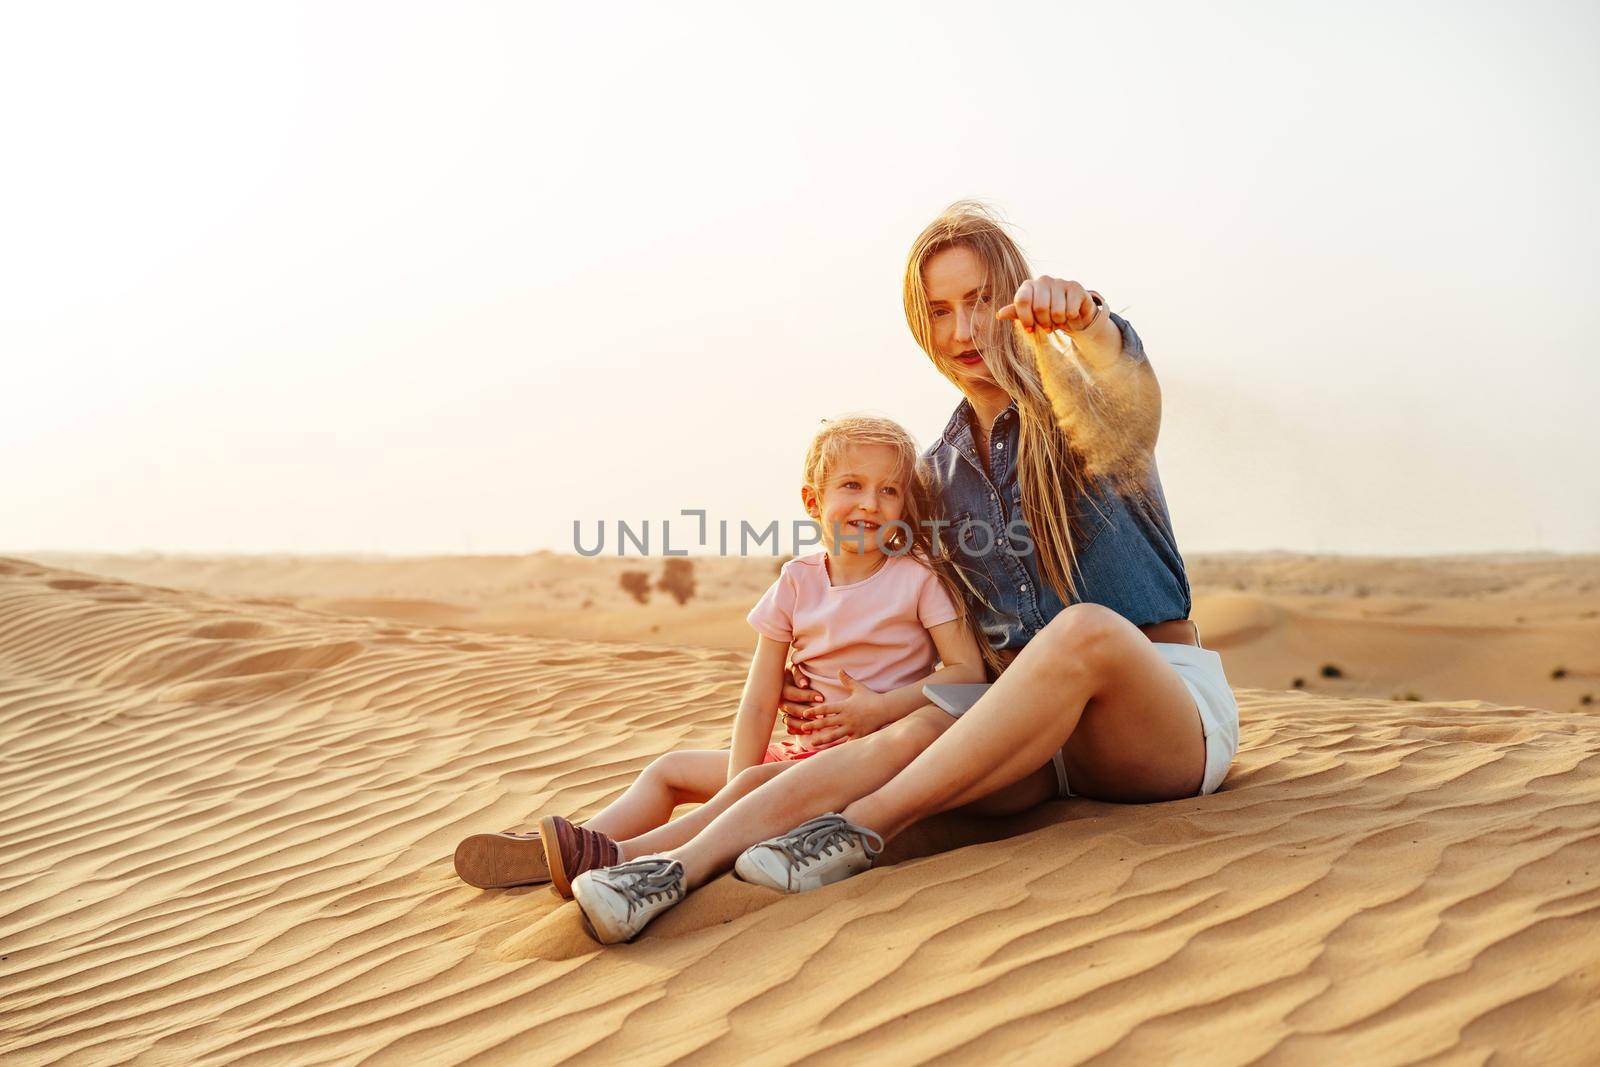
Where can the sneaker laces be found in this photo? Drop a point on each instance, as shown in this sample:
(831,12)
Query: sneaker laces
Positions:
(644,880)
(815,838)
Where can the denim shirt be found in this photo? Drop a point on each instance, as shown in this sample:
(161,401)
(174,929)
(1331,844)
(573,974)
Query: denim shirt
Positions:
(1128,558)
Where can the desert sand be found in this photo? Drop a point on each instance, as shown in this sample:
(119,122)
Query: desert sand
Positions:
(233,786)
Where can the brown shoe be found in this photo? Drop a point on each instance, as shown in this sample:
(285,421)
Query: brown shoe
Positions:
(569,850)
(498,861)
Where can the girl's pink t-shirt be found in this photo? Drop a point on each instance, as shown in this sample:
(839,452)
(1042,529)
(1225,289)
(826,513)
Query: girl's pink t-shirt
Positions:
(875,630)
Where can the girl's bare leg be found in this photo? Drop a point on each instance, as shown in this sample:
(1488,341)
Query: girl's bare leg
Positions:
(1090,684)
(822,783)
(681,830)
(688,777)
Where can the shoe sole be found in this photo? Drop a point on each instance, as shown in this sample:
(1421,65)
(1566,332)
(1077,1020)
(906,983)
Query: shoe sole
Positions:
(753,875)
(554,861)
(741,874)
(495,861)
(588,927)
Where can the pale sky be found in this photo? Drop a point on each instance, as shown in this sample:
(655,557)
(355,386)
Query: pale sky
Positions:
(443,278)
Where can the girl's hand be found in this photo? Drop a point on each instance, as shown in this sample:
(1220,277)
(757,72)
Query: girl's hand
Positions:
(857,715)
(799,701)
(1050,304)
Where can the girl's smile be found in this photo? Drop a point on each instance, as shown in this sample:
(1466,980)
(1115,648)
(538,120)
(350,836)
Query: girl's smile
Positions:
(865,494)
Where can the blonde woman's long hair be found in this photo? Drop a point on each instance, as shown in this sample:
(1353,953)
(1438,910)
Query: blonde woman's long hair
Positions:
(1050,472)
(919,504)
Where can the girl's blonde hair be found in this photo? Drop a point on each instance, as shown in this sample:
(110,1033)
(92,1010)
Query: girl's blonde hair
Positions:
(919,504)
(1051,474)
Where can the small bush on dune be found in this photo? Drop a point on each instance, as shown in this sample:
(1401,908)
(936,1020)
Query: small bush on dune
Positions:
(677,579)
(636,584)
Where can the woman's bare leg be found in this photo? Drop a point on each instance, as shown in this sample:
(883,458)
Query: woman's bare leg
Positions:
(822,783)
(681,830)
(1017,797)
(688,777)
(1090,684)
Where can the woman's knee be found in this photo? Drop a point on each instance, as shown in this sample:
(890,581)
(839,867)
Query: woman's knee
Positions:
(1082,636)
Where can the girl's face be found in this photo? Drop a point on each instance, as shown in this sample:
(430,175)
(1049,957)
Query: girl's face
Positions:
(960,303)
(861,496)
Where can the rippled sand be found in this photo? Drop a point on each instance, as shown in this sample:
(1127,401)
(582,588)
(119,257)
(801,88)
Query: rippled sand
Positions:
(225,831)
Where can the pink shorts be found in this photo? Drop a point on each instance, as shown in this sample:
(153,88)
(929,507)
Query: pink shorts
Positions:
(788,751)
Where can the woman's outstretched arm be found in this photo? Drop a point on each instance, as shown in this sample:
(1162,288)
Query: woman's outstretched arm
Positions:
(1093,368)
(1044,305)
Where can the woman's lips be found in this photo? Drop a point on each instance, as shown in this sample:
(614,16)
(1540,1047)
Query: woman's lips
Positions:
(969,359)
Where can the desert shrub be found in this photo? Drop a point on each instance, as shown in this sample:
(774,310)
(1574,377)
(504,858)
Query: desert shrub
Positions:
(636,584)
(677,579)
(1330,671)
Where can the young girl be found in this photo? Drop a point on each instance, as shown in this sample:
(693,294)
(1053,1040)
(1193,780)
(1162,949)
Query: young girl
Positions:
(863,621)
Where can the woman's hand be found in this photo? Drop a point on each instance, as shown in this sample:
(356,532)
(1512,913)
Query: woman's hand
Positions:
(799,702)
(860,713)
(1050,304)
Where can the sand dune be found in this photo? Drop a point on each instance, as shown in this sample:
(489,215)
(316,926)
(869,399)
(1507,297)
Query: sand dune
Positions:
(538,595)
(1495,628)
(227,829)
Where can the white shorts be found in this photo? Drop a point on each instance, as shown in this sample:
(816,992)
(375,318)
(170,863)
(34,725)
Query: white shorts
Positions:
(1201,671)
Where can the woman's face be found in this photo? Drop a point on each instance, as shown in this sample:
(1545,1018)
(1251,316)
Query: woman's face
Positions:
(960,302)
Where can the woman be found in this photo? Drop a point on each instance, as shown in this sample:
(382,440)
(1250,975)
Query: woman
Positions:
(1107,694)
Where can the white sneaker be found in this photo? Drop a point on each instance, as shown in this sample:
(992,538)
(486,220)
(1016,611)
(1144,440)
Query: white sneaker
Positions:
(824,850)
(617,902)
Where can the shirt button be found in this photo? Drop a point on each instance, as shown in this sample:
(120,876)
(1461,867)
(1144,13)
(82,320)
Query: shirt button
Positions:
(1024,587)
(1000,444)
